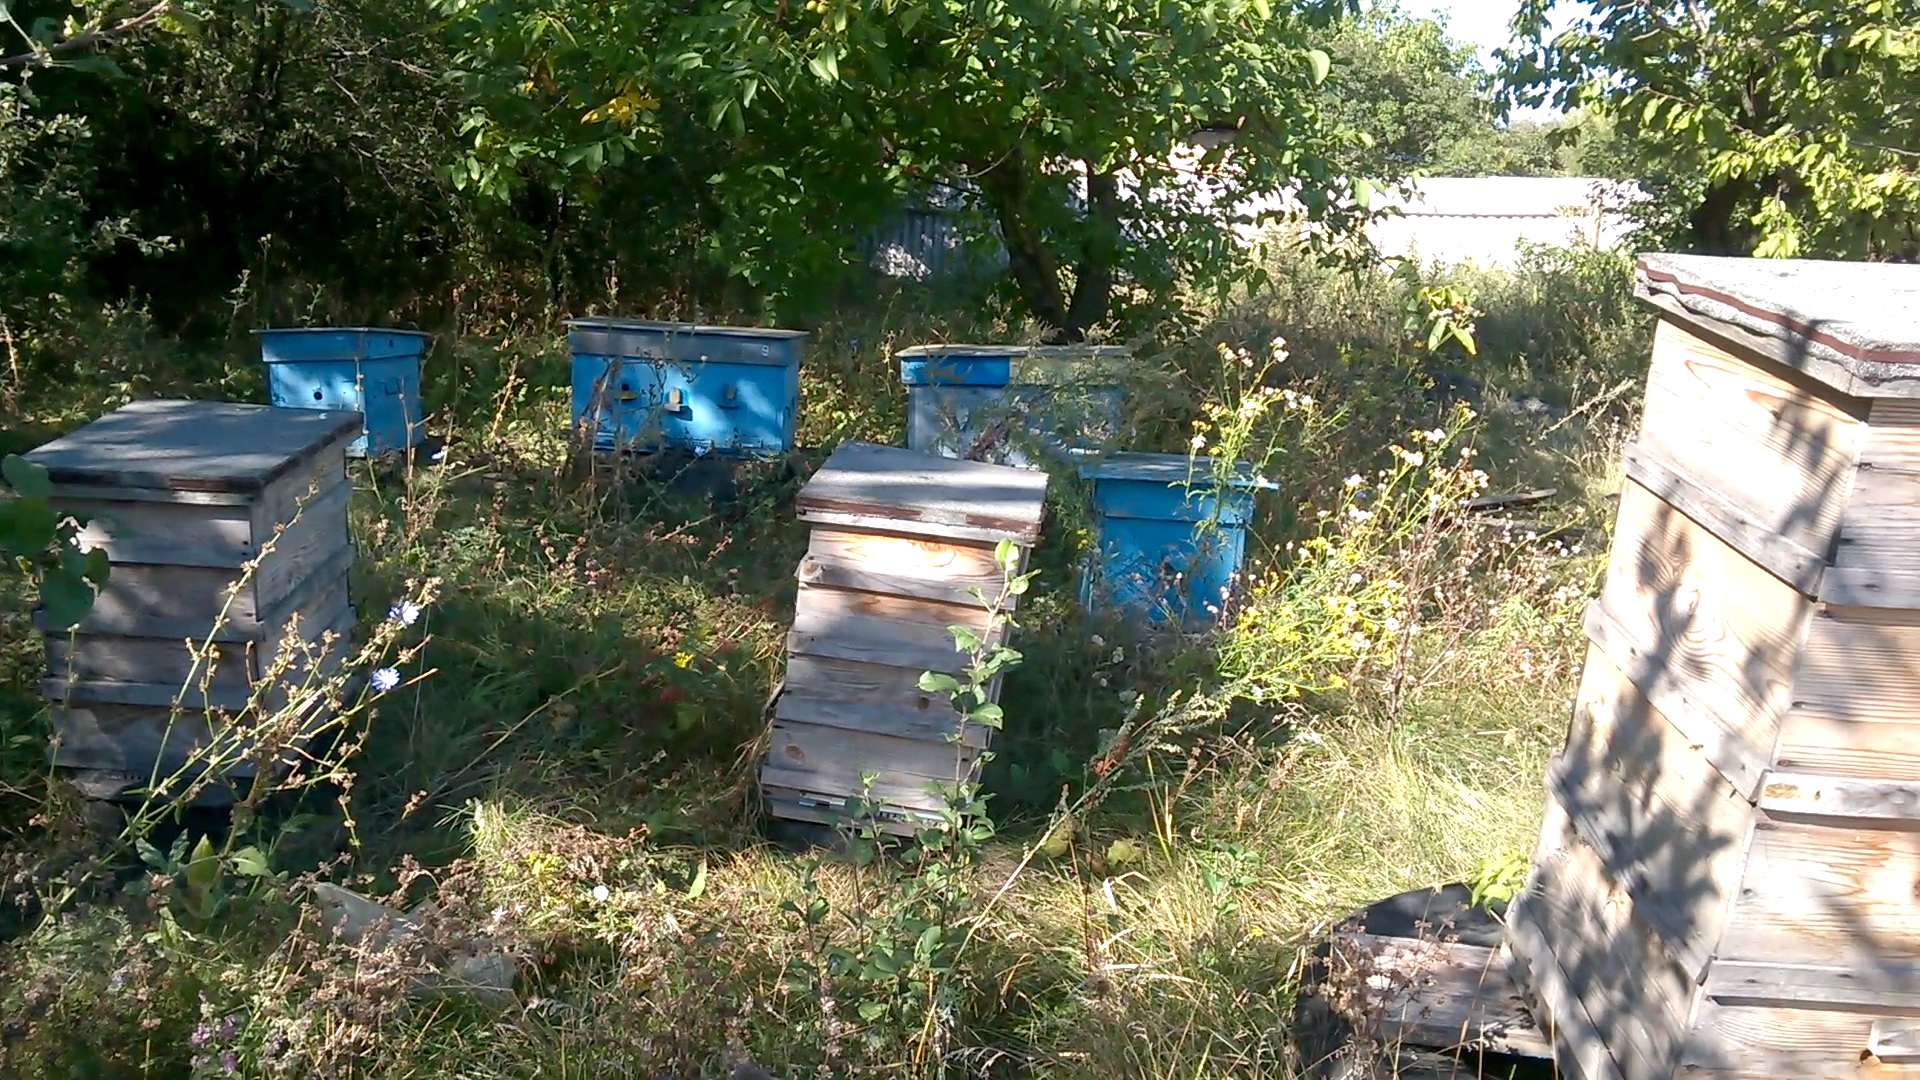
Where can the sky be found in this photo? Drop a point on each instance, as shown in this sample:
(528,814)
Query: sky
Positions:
(1483,24)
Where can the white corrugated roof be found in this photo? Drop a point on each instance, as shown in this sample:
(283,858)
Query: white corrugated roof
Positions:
(1506,196)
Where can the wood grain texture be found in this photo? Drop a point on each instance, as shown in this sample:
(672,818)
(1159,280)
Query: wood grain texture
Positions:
(303,544)
(1440,994)
(1746,982)
(906,792)
(1749,1043)
(182,603)
(1841,801)
(1634,996)
(177,662)
(794,804)
(1667,826)
(1895,1042)
(1786,559)
(1875,562)
(1580,1051)
(838,752)
(165,532)
(1707,635)
(902,566)
(872,628)
(1770,443)
(869,697)
(1824,897)
(1856,697)
(924,494)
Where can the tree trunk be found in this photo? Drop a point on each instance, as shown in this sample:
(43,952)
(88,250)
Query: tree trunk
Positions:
(1711,226)
(1093,277)
(1010,192)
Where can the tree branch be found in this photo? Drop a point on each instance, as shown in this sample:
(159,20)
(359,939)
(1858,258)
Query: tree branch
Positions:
(50,53)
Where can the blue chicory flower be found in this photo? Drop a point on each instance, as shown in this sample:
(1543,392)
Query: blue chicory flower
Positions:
(405,612)
(385,679)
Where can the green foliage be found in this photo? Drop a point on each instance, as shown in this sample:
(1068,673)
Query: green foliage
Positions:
(1766,126)
(43,543)
(838,109)
(1498,879)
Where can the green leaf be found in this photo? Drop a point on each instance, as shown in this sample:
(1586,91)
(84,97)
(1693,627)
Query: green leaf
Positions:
(1319,63)
(27,478)
(250,861)
(98,567)
(203,868)
(934,682)
(825,66)
(67,598)
(872,1011)
(988,714)
(964,639)
(698,887)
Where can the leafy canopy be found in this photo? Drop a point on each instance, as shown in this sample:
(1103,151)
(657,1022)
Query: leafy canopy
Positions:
(1774,127)
(1058,119)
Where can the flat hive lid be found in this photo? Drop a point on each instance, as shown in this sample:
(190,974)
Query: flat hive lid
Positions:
(908,491)
(1860,318)
(1168,469)
(604,322)
(171,445)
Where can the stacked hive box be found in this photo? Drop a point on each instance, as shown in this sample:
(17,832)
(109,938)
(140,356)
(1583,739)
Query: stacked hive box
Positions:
(1728,880)
(182,495)
(1010,404)
(899,541)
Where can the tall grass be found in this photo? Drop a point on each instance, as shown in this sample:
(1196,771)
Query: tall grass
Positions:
(571,785)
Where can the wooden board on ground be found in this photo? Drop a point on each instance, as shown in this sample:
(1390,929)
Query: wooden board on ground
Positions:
(1438,994)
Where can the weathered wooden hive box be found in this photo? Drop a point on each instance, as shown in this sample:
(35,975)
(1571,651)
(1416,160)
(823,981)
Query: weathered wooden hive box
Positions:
(899,540)
(1728,880)
(183,495)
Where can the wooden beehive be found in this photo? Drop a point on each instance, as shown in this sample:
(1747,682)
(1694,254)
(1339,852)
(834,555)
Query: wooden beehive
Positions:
(899,540)
(183,495)
(1728,880)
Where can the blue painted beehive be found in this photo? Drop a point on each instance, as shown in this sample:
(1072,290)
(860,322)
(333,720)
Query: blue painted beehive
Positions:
(1008,404)
(1169,543)
(372,371)
(650,386)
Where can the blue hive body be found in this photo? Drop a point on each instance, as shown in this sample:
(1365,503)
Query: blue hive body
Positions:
(650,386)
(372,371)
(1158,556)
(995,403)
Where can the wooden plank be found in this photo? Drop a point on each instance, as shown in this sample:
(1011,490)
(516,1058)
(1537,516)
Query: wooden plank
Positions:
(1856,697)
(1817,346)
(283,499)
(1775,446)
(1824,897)
(1885,989)
(837,752)
(794,804)
(885,630)
(902,566)
(1440,994)
(1841,801)
(167,602)
(315,532)
(1580,1051)
(69,691)
(202,446)
(907,792)
(884,700)
(1895,1042)
(1707,635)
(1874,563)
(1732,1042)
(177,662)
(924,494)
(1787,560)
(1634,995)
(1667,827)
(175,533)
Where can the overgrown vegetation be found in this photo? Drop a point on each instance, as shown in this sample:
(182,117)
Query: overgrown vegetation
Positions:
(553,707)
(560,763)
